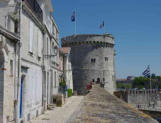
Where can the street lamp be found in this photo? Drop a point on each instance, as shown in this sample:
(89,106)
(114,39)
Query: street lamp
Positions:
(54,53)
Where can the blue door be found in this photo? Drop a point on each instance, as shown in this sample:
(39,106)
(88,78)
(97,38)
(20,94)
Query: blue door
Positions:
(21,96)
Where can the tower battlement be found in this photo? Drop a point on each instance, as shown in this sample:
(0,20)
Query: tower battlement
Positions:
(106,40)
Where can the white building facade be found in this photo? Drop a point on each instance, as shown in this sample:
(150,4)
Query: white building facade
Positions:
(67,67)
(28,59)
(50,51)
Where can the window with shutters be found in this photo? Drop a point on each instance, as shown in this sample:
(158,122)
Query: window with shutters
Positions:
(31,37)
(47,46)
(39,43)
(11,67)
(55,78)
(53,49)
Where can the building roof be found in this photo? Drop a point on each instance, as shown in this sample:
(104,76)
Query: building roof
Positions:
(53,20)
(48,4)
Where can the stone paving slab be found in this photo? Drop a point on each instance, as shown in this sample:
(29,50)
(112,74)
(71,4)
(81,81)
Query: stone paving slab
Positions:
(101,107)
(60,114)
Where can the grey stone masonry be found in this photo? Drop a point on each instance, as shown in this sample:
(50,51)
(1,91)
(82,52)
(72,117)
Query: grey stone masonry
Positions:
(149,99)
(99,106)
(92,58)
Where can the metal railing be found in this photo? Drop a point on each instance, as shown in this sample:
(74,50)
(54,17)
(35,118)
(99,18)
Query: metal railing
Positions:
(35,7)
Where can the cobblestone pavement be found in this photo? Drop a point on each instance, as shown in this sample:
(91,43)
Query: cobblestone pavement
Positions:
(60,114)
(101,107)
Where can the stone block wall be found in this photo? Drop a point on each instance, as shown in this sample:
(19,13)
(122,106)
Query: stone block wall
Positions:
(148,99)
(144,100)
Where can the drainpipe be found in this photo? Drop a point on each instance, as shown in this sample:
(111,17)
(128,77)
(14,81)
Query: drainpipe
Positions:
(15,81)
(44,76)
(19,62)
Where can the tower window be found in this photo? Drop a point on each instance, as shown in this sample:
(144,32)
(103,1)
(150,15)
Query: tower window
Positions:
(106,58)
(93,60)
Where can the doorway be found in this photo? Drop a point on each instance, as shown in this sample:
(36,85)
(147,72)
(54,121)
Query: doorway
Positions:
(21,96)
(51,87)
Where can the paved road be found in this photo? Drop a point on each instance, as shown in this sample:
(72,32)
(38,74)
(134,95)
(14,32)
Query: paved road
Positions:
(61,114)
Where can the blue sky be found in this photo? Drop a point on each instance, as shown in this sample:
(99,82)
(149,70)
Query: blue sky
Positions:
(135,24)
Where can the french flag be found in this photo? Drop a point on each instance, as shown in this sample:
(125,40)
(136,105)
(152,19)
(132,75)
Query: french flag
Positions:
(73,17)
(102,25)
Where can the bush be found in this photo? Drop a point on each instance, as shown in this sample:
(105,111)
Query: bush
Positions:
(69,92)
(62,83)
(141,82)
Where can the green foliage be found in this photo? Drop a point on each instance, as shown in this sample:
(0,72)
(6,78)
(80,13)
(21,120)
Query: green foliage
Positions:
(141,82)
(153,76)
(69,92)
(159,85)
(157,82)
(62,83)
(124,85)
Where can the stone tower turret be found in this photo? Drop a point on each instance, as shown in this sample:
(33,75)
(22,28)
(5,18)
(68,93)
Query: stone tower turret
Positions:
(92,57)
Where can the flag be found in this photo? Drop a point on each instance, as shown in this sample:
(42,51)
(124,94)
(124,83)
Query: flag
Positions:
(146,73)
(73,17)
(102,25)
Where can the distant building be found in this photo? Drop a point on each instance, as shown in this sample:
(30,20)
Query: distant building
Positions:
(61,65)
(128,80)
(92,58)
(130,77)
(67,67)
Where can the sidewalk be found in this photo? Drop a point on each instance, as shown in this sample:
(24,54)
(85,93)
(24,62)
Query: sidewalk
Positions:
(60,114)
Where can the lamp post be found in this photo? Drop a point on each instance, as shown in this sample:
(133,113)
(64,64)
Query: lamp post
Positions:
(54,53)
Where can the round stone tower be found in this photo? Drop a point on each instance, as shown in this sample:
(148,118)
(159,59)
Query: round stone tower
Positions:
(92,58)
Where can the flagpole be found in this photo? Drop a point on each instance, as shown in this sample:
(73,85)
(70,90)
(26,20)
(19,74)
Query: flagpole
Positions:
(150,79)
(75,22)
(104,29)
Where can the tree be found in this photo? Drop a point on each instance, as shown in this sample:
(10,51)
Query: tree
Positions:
(141,82)
(124,85)
(153,76)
